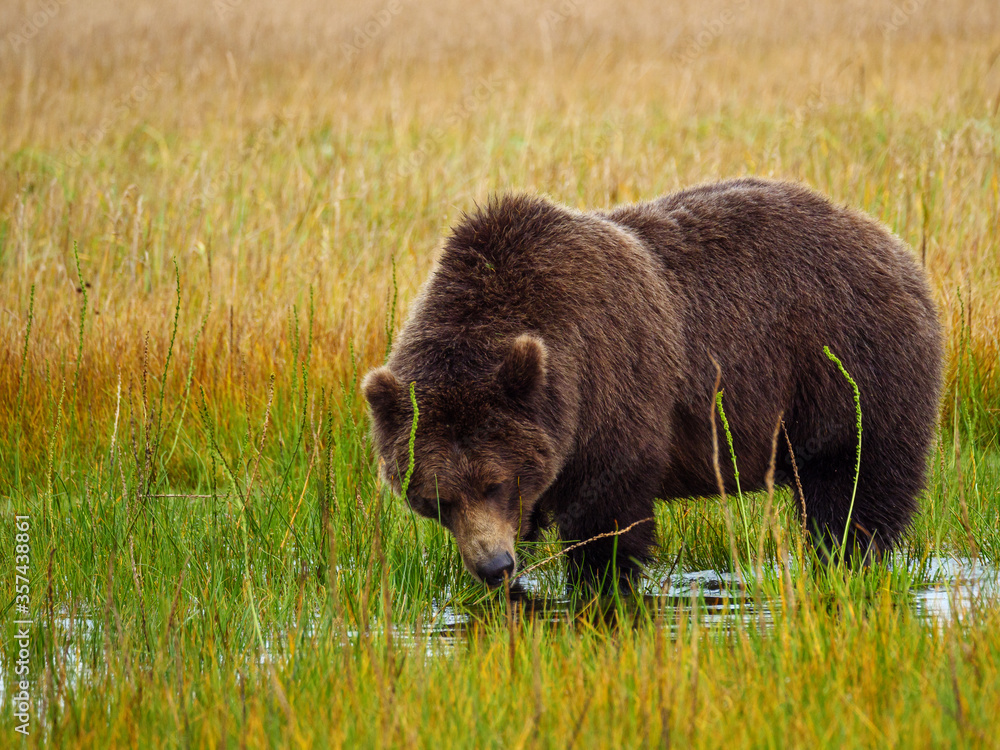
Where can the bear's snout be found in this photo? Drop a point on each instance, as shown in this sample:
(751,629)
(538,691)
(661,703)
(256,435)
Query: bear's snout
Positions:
(485,540)
(493,571)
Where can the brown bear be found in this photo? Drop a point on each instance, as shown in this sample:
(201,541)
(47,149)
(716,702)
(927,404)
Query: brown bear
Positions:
(564,370)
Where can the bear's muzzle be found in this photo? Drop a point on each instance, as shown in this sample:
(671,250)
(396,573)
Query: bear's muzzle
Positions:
(485,539)
(495,570)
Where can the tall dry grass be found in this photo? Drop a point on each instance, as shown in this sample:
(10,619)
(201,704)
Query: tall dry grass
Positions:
(273,151)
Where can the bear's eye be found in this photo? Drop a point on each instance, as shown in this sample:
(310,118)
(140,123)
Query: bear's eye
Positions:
(492,491)
(429,507)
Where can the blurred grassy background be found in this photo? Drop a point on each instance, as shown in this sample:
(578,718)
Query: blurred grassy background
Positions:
(269,150)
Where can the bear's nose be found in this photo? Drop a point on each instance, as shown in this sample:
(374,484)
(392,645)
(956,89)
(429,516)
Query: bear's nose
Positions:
(493,571)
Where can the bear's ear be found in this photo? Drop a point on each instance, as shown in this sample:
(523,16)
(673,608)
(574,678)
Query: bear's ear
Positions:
(384,394)
(522,371)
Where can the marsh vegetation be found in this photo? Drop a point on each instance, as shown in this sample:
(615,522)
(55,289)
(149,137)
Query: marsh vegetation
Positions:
(212,218)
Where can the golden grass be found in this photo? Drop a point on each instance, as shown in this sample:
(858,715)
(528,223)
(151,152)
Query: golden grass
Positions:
(252,145)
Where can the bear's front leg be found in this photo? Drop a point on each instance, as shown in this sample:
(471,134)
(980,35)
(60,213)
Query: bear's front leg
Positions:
(602,508)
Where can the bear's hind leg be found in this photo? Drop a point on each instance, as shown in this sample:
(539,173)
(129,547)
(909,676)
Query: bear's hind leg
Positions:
(884,502)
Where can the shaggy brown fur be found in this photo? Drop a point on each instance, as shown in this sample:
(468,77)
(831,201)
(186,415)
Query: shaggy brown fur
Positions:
(564,368)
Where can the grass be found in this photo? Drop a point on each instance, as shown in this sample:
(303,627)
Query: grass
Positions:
(857,465)
(207,216)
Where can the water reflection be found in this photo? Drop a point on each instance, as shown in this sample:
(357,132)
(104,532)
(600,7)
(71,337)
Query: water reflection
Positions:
(955,587)
(949,589)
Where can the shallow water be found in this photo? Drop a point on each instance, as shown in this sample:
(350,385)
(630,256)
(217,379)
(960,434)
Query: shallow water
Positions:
(950,588)
(955,588)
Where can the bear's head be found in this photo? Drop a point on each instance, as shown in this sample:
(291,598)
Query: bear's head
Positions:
(481,457)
